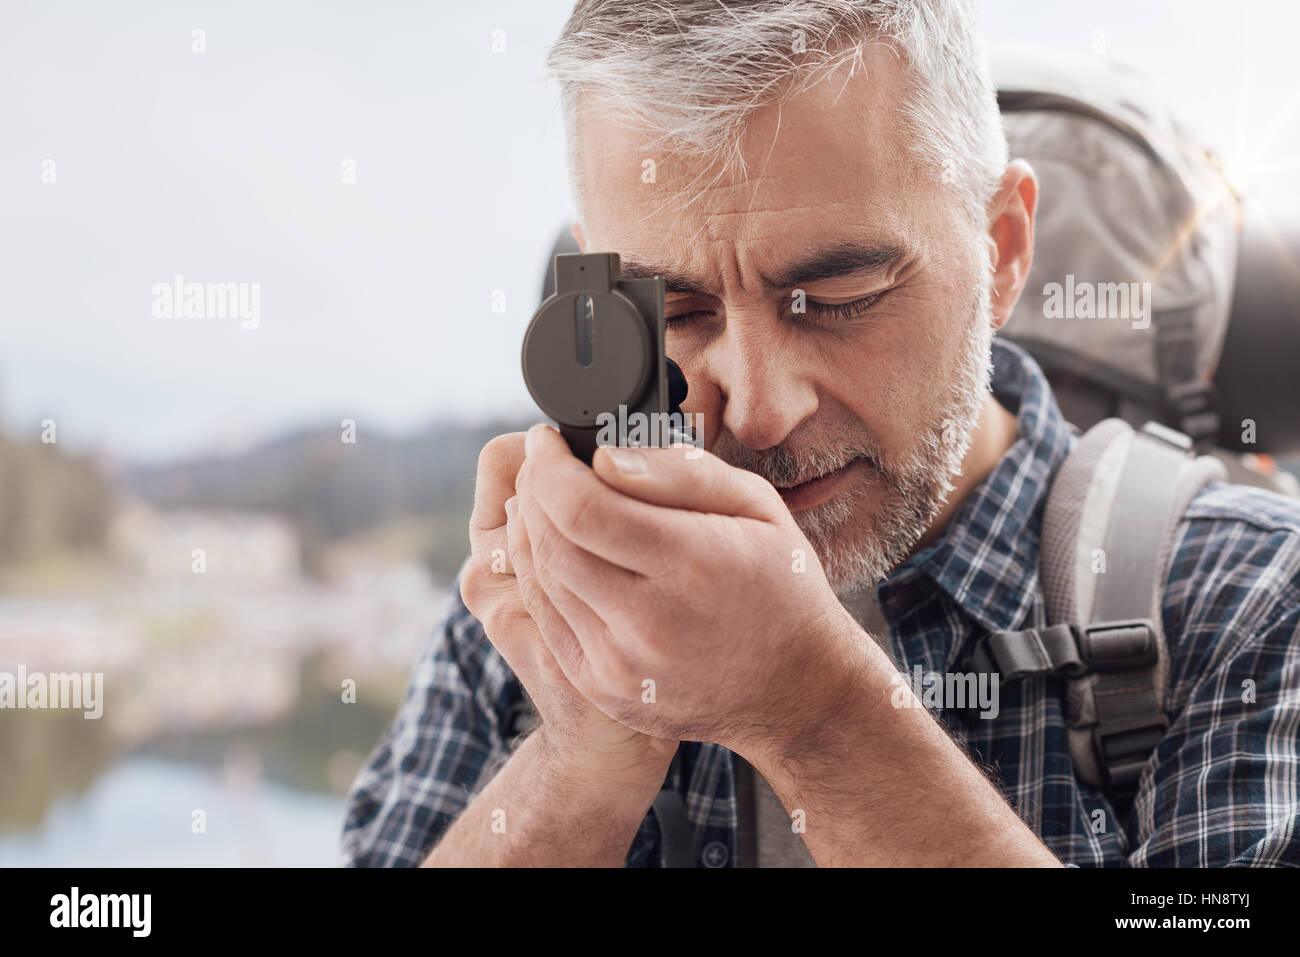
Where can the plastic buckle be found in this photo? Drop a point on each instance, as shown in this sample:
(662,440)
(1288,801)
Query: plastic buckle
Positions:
(1118,645)
(1124,749)
(1195,407)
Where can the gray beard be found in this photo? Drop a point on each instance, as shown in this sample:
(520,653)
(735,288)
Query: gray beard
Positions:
(910,494)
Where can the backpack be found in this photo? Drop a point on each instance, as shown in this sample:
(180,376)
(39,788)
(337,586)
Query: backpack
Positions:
(1136,227)
(1109,528)
(1129,194)
(1133,205)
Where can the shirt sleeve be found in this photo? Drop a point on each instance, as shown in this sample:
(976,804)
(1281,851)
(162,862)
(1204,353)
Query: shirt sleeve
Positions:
(1226,784)
(444,744)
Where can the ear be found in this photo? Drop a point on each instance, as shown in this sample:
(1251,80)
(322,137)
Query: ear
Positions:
(1011,236)
(578,235)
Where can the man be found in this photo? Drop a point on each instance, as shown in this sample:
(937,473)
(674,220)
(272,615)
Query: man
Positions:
(826,188)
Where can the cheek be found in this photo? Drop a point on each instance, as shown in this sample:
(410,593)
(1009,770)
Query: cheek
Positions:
(883,378)
(892,374)
(889,374)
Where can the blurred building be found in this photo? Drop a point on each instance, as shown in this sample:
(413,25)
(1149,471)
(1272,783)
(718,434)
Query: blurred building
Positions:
(220,544)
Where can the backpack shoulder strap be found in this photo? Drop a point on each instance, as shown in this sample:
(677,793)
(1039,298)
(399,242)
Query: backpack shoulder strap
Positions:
(1115,558)
(676,835)
(1108,529)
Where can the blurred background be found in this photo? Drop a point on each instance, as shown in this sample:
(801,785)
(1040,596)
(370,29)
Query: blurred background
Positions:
(391,175)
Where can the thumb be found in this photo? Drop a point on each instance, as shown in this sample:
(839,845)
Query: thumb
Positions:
(685,476)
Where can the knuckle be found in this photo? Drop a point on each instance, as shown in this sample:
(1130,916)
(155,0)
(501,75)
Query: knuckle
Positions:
(538,573)
(517,552)
(498,460)
(490,619)
(470,589)
(530,592)
(544,577)
(578,513)
(519,564)
(500,452)
(523,476)
(546,548)
(501,620)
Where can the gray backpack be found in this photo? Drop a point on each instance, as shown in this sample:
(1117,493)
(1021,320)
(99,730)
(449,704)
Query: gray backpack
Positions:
(1129,197)
(1109,529)
(1133,206)
(1136,232)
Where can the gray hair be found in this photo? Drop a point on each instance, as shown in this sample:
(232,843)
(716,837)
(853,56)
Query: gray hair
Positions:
(691,71)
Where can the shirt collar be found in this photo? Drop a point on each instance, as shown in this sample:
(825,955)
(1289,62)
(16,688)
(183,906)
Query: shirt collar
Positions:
(986,560)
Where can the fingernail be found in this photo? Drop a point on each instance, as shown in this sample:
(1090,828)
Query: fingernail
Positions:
(626,461)
(512,509)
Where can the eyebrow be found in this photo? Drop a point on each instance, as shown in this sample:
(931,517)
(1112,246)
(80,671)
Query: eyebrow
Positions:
(832,262)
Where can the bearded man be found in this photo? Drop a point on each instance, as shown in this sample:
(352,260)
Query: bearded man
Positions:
(841,232)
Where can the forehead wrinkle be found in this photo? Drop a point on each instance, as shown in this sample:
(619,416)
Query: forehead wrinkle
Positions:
(676,279)
(838,260)
(816,261)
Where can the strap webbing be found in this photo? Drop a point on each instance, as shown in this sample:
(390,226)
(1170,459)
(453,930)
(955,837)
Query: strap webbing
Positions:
(1139,518)
(677,837)
(1113,654)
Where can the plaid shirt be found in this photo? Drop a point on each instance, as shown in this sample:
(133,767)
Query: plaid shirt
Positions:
(1223,787)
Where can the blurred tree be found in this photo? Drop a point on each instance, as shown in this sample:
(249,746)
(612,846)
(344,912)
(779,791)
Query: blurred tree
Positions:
(49,501)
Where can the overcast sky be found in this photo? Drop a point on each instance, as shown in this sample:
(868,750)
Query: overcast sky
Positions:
(375,295)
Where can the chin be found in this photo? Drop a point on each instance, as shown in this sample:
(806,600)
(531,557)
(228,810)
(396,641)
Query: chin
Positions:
(842,533)
(862,535)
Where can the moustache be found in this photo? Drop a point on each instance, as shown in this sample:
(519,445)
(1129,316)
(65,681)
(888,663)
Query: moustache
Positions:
(784,467)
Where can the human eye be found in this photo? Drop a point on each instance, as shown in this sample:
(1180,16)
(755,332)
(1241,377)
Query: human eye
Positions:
(684,319)
(683,311)
(842,310)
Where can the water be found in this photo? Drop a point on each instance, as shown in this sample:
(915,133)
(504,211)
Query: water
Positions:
(140,812)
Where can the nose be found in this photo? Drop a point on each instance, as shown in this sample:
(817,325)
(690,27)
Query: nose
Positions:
(766,389)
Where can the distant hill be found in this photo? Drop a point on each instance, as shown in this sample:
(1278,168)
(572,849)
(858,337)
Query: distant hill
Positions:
(332,490)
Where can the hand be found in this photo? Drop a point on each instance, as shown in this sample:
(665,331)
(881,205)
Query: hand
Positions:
(498,587)
(692,605)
